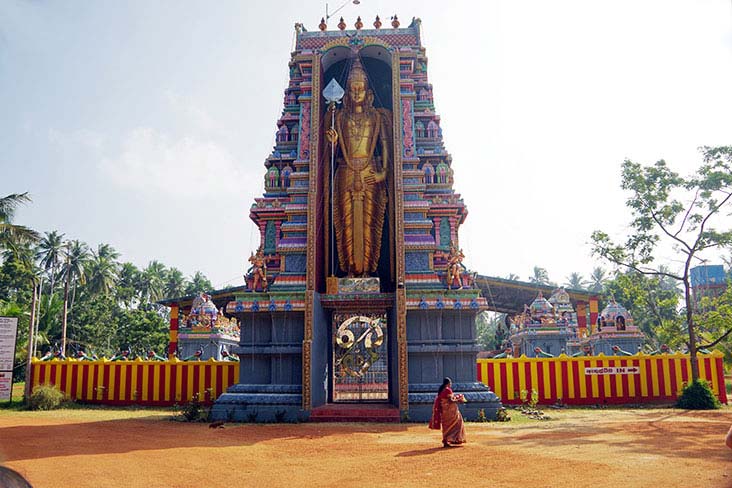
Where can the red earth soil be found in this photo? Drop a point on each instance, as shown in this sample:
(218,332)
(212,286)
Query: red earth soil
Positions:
(577,448)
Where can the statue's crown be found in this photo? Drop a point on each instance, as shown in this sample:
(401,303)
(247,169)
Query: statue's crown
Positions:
(357,72)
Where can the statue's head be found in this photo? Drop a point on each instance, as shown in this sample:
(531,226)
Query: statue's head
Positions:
(357,84)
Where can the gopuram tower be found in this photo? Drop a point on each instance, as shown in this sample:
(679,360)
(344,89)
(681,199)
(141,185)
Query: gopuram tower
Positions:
(357,296)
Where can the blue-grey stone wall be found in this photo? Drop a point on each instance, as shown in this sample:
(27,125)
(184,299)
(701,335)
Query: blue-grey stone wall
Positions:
(442,343)
(270,370)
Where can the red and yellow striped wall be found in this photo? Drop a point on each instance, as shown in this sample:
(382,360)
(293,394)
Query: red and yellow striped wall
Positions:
(659,378)
(137,382)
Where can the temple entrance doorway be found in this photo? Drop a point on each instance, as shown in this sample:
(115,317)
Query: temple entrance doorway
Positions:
(360,363)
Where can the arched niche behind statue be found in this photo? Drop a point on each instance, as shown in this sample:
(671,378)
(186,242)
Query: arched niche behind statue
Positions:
(376,61)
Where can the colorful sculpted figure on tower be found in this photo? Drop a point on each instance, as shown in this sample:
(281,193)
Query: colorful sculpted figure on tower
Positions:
(455,267)
(257,273)
(362,134)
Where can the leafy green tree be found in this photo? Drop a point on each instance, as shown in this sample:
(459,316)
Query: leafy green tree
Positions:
(17,274)
(714,318)
(49,321)
(652,304)
(491,330)
(142,329)
(199,283)
(94,323)
(681,212)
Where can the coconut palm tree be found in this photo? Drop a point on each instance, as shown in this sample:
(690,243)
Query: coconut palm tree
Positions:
(49,254)
(598,278)
(152,282)
(103,268)
(199,283)
(127,286)
(9,232)
(540,276)
(175,283)
(575,281)
(73,270)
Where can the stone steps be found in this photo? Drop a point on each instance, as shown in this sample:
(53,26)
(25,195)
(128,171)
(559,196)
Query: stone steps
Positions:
(355,412)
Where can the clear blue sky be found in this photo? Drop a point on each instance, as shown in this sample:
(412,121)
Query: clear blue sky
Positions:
(145,124)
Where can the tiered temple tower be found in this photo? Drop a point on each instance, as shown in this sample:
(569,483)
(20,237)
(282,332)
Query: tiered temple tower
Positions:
(365,298)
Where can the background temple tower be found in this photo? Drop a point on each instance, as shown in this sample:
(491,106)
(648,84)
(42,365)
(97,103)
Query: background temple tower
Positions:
(308,341)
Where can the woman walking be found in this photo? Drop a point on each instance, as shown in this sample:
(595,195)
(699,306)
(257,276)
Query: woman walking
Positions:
(445,414)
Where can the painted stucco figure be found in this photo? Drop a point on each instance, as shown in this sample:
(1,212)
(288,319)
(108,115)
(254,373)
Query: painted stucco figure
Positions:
(362,134)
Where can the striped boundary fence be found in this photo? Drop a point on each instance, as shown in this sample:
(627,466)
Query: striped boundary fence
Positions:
(137,382)
(658,378)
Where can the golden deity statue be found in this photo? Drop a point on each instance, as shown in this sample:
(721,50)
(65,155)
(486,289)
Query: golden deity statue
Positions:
(362,134)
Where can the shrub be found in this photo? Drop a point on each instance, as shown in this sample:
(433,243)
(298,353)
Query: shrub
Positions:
(502,415)
(481,416)
(530,399)
(45,397)
(194,411)
(698,395)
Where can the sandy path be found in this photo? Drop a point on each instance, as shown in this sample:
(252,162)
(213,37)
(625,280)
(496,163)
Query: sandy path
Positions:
(639,448)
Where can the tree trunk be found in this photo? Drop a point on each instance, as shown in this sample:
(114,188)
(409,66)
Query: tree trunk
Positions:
(66,310)
(690,325)
(27,389)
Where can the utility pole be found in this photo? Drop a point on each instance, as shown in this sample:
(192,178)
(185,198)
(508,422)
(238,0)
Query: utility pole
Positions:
(31,330)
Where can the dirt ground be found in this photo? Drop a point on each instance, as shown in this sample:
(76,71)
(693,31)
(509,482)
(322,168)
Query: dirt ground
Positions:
(144,448)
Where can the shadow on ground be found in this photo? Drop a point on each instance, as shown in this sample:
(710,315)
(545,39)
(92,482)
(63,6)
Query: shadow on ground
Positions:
(23,442)
(680,434)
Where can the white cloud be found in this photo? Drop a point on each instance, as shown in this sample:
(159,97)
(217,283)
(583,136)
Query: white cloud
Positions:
(83,138)
(192,112)
(151,160)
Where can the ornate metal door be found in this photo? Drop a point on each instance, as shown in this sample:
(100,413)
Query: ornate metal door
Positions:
(360,363)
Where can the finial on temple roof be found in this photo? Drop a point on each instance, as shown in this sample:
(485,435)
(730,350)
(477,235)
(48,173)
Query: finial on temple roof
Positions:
(377,23)
(322,26)
(358,23)
(394,21)
(342,24)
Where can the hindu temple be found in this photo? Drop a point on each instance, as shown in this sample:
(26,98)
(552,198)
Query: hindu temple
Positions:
(357,295)
(550,327)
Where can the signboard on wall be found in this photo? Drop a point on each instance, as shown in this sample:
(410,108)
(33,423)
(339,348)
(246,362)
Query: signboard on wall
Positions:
(8,334)
(613,370)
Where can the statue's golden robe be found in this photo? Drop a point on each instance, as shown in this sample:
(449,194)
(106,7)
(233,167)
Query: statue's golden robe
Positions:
(359,206)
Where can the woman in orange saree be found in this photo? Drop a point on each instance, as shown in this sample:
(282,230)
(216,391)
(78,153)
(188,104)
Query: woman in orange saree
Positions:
(445,414)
